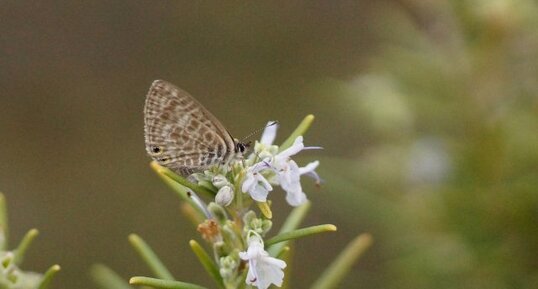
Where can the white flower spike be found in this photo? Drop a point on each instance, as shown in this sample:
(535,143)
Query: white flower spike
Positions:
(263,269)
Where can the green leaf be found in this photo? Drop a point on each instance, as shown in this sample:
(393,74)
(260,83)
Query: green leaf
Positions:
(193,215)
(207,262)
(292,222)
(300,233)
(182,181)
(4,229)
(300,130)
(343,263)
(178,188)
(106,278)
(151,259)
(24,245)
(163,284)
(47,278)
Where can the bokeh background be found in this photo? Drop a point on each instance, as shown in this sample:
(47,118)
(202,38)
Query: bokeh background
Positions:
(427,110)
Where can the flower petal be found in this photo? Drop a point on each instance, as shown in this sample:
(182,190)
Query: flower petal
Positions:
(259,193)
(248,182)
(263,270)
(309,167)
(269,133)
(263,181)
(296,147)
(296,197)
(269,271)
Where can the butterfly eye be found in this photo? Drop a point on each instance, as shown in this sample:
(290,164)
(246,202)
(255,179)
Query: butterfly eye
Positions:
(240,147)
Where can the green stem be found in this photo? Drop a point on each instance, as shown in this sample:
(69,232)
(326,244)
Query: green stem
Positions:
(300,233)
(107,279)
(47,278)
(333,275)
(23,246)
(151,259)
(4,229)
(300,130)
(163,284)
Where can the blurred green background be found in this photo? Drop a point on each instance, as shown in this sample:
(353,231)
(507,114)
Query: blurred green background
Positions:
(427,110)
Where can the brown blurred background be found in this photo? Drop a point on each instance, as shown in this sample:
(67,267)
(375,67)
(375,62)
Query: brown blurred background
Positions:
(427,111)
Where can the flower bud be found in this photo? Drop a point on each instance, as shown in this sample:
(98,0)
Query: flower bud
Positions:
(248,217)
(224,196)
(257,225)
(221,249)
(220,181)
(266,226)
(228,265)
(230,235)
(217,212)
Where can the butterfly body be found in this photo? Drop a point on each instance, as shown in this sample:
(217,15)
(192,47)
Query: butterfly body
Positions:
(181,134)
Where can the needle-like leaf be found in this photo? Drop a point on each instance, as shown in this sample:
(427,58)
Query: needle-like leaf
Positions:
(151,259)
(47,278)
(24,245)
(333,275)
(163,284)
(207,263)
(300,130)
(295,234)
(106,278)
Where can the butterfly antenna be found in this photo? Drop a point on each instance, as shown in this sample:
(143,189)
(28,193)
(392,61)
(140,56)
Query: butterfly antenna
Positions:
(258,130)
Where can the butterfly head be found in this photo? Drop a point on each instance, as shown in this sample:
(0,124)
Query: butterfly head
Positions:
(241,147)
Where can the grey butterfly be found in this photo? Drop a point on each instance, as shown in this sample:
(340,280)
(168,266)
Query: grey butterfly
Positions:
(181,134)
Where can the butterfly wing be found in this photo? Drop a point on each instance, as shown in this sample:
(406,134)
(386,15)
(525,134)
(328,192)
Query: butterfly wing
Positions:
(180,133)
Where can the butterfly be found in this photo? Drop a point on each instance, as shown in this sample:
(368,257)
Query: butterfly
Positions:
(182,135)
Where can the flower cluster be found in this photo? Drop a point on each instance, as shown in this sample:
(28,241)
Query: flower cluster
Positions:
(264,168)
(235,231)
(11,274)
(237,221)
(277,168)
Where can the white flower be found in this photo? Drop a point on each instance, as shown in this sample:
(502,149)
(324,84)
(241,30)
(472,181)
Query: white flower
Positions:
(289,174)
(263,270)
(265,149)
(289,178)
(255,183)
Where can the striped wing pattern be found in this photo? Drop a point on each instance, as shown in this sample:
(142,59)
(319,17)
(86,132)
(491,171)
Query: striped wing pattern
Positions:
(180,133)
